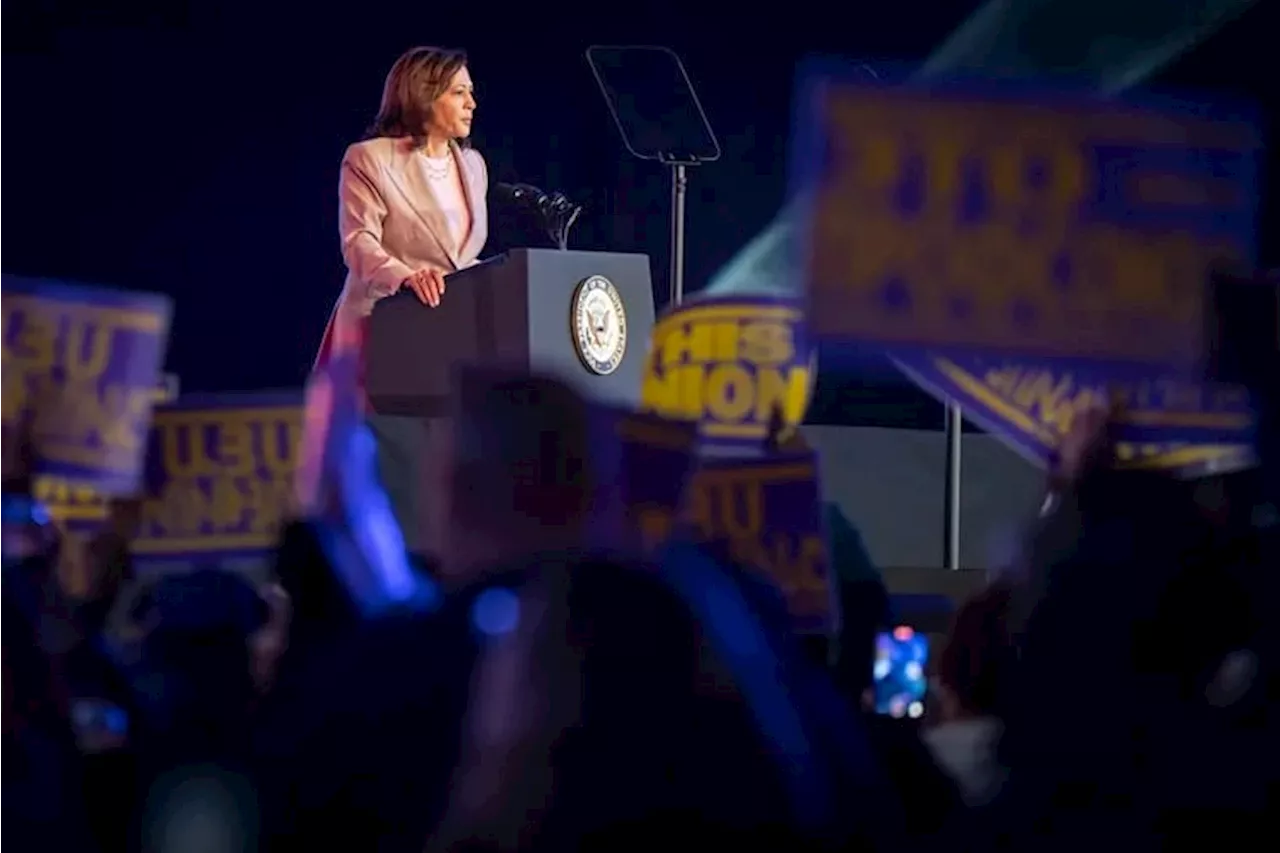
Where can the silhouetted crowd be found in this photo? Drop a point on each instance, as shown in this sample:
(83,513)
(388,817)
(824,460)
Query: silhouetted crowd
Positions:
(548,687)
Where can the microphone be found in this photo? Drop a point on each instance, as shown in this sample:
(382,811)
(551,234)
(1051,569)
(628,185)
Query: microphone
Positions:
(523,193)
(557,212)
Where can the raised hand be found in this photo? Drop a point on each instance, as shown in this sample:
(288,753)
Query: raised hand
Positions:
(1085,443)
(337,490)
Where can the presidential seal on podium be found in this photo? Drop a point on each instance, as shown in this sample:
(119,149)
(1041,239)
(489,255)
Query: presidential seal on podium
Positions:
(598,321)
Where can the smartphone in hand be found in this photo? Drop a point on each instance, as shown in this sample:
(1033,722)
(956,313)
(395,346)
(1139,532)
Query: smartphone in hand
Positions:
(900,678)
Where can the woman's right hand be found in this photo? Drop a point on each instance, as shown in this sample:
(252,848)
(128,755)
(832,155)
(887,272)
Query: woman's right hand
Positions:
(427,285)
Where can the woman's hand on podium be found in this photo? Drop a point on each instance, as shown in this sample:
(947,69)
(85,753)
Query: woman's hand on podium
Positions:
(427,285)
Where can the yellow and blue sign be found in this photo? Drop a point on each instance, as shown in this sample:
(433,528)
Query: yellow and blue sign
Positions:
(764,515)
(731,364)
(1006,222)
(656,458)
(83,508)
(1027,254)
(81,366)
(220,475)
(1166,423)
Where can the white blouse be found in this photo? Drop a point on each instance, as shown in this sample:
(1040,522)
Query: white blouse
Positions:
(445,180)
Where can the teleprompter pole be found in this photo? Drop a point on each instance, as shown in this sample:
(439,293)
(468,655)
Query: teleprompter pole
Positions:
(679,186)
(951,508)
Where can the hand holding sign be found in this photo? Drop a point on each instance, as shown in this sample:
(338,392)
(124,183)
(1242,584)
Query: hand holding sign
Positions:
(1086,445)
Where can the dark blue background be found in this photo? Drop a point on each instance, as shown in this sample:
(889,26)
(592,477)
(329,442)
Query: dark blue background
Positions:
(192,147)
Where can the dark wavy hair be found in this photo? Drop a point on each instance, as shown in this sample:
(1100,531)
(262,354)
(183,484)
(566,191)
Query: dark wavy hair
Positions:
(417,78)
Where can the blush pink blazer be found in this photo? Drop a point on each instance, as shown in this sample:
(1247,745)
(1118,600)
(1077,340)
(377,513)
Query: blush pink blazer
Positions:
(391,227)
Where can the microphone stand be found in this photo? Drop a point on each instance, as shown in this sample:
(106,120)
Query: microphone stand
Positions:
(559,214)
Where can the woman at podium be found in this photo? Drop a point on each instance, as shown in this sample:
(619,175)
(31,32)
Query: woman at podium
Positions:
(411,196)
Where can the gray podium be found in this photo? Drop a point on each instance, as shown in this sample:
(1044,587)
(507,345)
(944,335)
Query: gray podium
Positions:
(516,309)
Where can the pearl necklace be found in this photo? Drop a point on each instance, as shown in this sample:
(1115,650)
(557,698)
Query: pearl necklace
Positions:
(437,170)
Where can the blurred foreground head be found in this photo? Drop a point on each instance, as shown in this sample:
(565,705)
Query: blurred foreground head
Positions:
(194,683)
(593,725)
(517,476)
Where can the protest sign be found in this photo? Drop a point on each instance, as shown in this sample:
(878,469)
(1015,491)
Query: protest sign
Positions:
(765,515)
(1011,222)
(81,366)
(80,508)
(1167,424)
(730,364)
(657,458)
(220,475)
